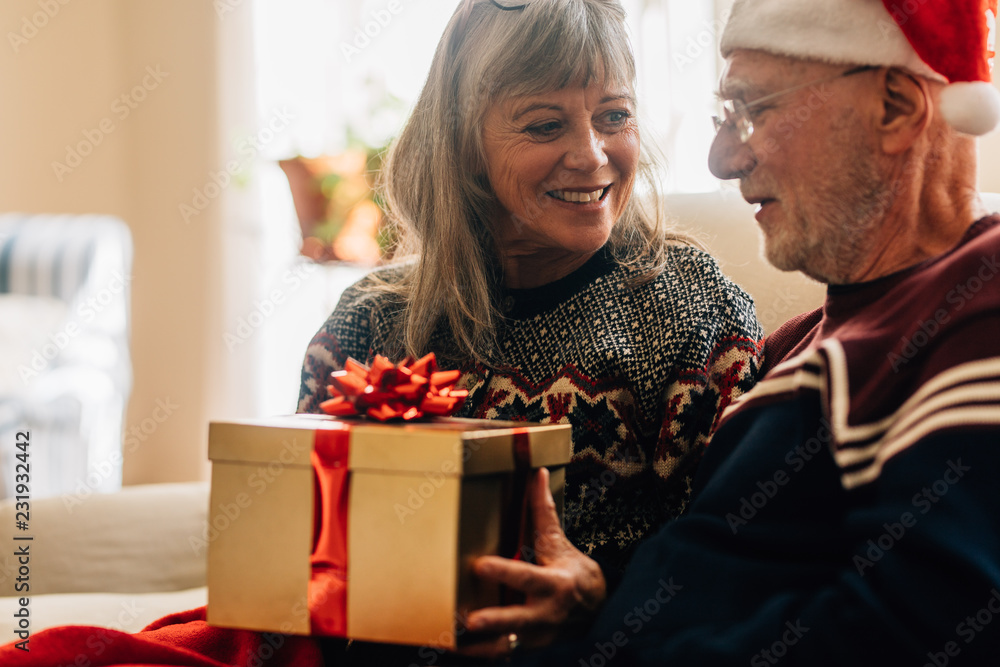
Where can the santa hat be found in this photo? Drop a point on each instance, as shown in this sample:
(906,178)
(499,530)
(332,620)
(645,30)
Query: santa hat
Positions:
(953,41)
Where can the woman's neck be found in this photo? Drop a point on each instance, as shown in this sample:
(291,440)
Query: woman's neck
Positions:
(524,270)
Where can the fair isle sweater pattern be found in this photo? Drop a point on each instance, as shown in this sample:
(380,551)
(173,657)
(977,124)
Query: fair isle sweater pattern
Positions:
(642,375)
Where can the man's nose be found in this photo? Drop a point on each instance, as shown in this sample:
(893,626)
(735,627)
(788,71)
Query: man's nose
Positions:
(729,157)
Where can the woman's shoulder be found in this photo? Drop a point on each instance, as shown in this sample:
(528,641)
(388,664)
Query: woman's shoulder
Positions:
(693,300)
(366,308)
(373,291)
(693,292)
(693,271)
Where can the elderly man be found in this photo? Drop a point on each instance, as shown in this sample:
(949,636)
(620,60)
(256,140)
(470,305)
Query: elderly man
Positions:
(847,510)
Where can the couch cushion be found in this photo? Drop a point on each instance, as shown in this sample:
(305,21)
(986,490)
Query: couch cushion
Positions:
(118,611)
(141,539)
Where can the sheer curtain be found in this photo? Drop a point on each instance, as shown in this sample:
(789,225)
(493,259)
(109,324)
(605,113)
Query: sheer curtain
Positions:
(340,66)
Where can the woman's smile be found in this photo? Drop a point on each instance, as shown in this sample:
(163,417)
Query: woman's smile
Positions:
(580,196)
(562,165)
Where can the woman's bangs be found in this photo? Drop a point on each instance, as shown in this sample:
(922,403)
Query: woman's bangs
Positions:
(559,47)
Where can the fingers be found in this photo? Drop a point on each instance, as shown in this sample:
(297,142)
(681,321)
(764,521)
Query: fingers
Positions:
(543,505)
(565,586)
(550,541)
(513,618)
(515,574)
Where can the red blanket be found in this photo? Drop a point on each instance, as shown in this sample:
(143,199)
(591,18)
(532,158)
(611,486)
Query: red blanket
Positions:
(180,640)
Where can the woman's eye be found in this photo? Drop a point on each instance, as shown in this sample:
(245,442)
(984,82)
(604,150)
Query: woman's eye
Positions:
(544,129)
(616,120)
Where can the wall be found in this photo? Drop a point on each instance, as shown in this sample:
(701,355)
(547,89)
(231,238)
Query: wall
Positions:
(989,156)
(60,83)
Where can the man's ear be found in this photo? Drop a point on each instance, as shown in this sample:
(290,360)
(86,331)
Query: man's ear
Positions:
(905,111)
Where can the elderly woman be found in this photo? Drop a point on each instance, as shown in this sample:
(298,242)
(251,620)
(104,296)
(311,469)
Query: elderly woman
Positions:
(526,260)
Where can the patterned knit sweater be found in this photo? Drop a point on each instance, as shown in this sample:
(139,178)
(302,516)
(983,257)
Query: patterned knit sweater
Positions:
(642,375)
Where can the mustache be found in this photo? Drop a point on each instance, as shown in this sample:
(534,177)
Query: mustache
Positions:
(760,188)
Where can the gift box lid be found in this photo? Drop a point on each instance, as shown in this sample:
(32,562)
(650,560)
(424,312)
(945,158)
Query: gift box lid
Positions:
(448,445)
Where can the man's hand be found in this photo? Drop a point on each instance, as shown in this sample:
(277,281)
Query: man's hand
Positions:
(563,592)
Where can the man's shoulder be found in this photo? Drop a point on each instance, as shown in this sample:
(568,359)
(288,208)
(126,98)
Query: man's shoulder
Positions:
(974,263)
(921,360)
(790,337)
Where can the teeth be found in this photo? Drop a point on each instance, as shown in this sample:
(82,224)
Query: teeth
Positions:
(581,197)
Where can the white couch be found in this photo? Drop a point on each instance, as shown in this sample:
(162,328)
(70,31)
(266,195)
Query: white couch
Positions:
(118,560)
(122,560)
(65,369)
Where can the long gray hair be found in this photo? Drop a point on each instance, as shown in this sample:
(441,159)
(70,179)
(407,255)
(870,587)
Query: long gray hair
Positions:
(439,202)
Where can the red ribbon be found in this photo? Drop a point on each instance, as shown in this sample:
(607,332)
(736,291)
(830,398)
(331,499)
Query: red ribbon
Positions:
(386,391)
(328,582)
(327,595)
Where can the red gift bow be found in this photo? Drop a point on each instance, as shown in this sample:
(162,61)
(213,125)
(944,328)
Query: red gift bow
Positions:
(387,391)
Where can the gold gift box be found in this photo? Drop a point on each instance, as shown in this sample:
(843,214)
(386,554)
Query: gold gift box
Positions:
(425,499)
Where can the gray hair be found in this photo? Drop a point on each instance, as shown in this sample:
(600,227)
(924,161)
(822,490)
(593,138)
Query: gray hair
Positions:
(437,197)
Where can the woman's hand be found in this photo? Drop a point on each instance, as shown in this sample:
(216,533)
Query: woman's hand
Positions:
(563,591)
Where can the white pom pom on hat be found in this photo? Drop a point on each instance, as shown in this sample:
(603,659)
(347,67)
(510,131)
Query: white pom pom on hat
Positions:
(972,107)
(952,41)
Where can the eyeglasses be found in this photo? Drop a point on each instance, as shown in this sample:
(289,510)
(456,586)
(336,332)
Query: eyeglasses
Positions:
(466,13)
(736,113)
(508,8)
